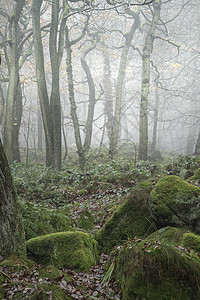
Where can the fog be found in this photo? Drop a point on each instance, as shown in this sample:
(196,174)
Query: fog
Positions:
(115,78)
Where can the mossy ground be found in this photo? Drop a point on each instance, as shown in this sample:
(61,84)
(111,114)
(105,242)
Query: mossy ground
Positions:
(131,219)
(21,278)
(77,250)
(24,279)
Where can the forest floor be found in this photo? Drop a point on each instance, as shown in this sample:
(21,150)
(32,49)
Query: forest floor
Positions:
(28,282)
(54,201)
(24,281)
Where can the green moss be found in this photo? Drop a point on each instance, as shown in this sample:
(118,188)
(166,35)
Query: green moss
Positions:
(177,237)
(15,263)
(86,220)
(77,250)
(169,235)
(196,176)
(169,188)
(155,270)
(131,219)
(191,241)
(173,201)
(52,272)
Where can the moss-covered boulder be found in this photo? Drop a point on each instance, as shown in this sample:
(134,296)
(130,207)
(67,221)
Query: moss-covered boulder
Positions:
(168,235)
(177,237)
(175,202)
(131,219)
(77,250)
(155,270)
(195,177)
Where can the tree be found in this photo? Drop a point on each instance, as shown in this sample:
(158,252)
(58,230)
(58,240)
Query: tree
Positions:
(12,240)
(14,41)
(108,97)
(91,86)
(155,119)
(13,77)
(51,110)
(120,79)
(68,46)
(147,50)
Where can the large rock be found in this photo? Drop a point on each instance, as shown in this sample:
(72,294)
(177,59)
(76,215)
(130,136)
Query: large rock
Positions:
(175,202)
(158,268)
(177,237)
(195,178)
(131,219)
(77,250)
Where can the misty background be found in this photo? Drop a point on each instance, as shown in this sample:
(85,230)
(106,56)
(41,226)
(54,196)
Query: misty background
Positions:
(95,59)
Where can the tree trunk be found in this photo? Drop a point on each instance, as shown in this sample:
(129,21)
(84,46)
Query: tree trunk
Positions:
(41,82)
(92,97)
(155,120)
(147,50)
(119,88)
(197,146)
(64,135)
(55,91)
(17,124)
(108,102)
(12,240)
(40,129)
(13,78)
(2,104)
(76,126)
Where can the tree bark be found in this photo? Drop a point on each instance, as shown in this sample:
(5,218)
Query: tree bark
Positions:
(41,82)
(2,104)
(12,240)
(55,91)
(76,126)
(17,124)
(92,96)
(108,102)
(13,78)
(155,120)
(119,88)
(147,50)
(197,146)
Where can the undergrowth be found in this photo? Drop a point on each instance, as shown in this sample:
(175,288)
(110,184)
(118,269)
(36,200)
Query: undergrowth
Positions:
(53,200)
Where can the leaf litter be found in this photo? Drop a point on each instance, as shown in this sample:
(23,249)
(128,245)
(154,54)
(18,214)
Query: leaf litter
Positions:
(75,285)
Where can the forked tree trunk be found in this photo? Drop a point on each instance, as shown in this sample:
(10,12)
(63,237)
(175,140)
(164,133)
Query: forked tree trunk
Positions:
(12,240)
